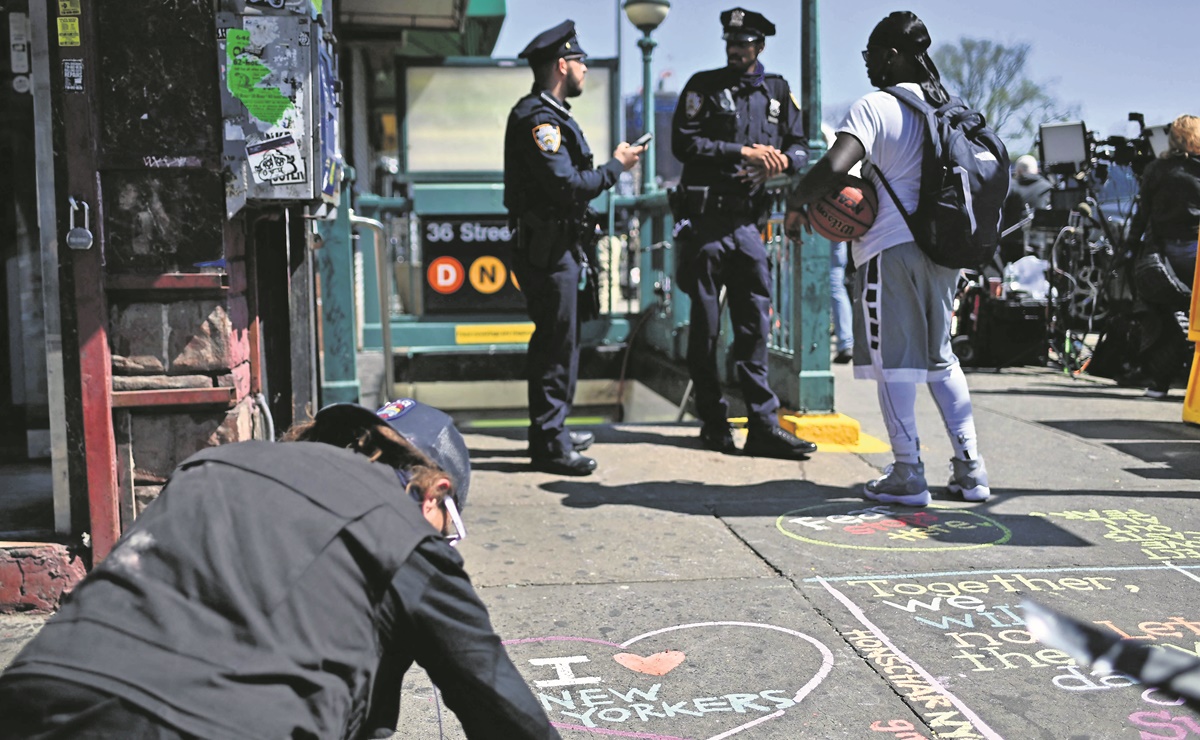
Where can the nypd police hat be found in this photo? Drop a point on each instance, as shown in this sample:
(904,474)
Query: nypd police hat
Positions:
(553,43)
(745,25)
(428,429)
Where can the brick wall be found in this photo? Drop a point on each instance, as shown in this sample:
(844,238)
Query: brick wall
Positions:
(35,577)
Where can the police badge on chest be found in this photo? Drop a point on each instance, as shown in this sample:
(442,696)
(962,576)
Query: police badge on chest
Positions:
(773,111)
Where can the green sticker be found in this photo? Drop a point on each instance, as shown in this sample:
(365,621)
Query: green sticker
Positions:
(245,72)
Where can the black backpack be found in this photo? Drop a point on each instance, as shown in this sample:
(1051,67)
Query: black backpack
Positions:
(964,181)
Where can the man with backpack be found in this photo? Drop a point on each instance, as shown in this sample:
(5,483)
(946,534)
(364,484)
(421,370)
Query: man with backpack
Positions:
(940,166)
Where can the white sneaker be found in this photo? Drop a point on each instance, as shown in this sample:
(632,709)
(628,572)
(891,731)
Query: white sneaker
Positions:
(902,483)
(969,478)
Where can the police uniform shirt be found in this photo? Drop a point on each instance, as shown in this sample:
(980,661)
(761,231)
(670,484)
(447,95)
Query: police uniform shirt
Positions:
(722,110)
(548,168)
(282,590)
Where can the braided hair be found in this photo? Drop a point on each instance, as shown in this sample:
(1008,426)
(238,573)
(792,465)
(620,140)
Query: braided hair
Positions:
(903,31)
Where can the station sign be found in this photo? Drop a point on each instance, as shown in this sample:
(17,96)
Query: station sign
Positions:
(468,265)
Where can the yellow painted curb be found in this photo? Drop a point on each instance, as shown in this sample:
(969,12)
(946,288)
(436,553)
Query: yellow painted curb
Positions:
(828,428)
(865,445)
(831,432)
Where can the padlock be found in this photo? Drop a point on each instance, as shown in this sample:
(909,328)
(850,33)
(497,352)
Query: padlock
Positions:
(79,237)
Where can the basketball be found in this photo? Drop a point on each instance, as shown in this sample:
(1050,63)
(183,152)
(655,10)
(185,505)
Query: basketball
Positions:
(847,213)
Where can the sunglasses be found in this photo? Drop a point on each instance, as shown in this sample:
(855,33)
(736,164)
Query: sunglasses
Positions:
(866,53)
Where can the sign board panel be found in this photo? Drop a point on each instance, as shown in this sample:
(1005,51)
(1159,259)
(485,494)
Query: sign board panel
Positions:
(468,265)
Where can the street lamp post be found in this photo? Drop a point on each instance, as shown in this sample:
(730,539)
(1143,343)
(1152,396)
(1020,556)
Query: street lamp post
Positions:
(647,15)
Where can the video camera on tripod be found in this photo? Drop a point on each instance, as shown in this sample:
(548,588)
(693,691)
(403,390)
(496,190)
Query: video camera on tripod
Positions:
(1070,150)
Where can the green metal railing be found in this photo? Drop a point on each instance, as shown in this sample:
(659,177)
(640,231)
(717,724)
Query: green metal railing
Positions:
(638,291)
(799,325)
(638,263)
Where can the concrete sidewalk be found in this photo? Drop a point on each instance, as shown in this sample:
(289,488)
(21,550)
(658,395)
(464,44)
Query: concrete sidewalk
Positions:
(678,593)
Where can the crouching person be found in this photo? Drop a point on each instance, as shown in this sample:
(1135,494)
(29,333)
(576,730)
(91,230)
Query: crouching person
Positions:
(281,591)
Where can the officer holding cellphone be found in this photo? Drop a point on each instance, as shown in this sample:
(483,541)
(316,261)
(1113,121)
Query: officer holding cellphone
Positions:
(549,179)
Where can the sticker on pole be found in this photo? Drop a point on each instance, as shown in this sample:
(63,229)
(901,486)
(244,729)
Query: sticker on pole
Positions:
(68,32)
(276,161)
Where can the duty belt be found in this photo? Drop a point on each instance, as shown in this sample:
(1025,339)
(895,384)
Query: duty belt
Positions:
(701,200)
(731,205)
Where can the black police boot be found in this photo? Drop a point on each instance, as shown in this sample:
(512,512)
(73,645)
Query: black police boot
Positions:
(580,441)
(776,442)
(718,438)
(569,463)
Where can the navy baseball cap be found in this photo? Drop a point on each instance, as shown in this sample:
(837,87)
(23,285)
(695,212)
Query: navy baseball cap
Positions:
(745,25)
(553,43)
(428,429)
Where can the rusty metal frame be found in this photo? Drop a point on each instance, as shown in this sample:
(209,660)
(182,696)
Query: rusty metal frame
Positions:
(193,281)
(174,397)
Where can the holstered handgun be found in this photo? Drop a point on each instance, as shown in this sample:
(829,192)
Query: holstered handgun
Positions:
(687,201)
(587,240)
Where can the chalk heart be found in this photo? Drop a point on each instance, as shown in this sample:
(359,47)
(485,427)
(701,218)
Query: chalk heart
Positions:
(659,664)
(615,707)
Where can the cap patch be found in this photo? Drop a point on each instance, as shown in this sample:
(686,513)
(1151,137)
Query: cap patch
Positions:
(736,18)
(548,137)
(396,409)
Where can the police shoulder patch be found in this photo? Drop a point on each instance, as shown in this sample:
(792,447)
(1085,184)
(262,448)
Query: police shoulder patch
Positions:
(548,137)
(396,409)
(692,102)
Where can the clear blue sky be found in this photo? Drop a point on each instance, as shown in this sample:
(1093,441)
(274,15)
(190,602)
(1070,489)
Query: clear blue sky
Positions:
(1106,57)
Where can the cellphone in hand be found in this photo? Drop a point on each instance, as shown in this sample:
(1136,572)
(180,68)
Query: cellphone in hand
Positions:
(643,140)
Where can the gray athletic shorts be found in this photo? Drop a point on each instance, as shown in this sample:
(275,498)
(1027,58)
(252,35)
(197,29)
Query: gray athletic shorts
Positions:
(902,308)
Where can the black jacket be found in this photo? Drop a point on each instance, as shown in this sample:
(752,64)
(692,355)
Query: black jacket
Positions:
(548,167)
(282,590)
(1169,201)
(719,112)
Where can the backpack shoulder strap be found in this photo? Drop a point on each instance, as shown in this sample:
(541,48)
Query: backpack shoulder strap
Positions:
(911,99)
(908,217)
(933,144)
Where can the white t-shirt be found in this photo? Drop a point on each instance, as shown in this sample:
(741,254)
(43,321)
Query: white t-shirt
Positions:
(894,136)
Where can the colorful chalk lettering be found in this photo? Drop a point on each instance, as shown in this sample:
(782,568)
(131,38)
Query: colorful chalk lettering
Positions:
(933,529)
(569,687)
(1156,540)
(902,729)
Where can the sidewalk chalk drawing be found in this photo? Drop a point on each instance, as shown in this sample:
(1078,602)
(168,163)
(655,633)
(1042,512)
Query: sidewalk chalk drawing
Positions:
(1157,541)
(968,627)
(685,681)
(882,527)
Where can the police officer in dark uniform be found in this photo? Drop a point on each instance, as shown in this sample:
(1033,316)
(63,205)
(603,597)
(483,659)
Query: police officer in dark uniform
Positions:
(733,129)
(281,591)
(549,178)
